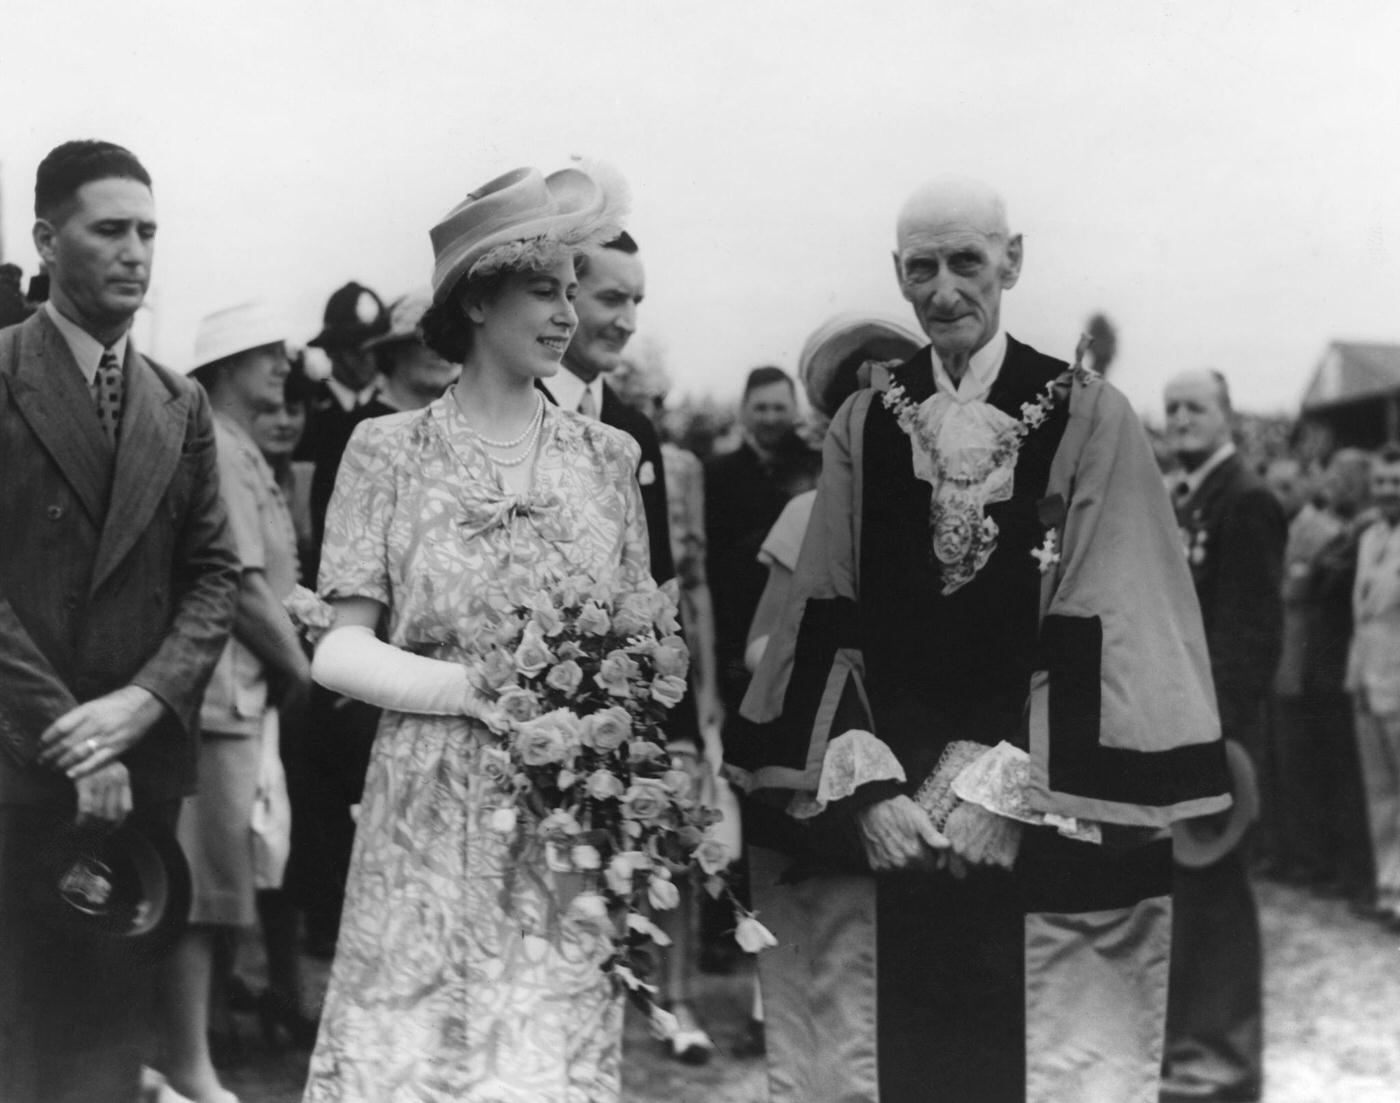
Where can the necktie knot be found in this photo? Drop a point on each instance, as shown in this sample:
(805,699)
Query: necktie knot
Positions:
(586,405)
(107,394)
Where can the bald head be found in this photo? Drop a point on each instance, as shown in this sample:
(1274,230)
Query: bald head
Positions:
(953,201)
(954,257)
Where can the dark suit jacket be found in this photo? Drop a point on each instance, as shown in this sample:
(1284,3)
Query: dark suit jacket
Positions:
(744,496)
(651,475)
(113,570)
(1235,532)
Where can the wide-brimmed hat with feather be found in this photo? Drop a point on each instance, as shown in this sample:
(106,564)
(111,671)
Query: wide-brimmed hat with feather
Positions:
(525,219)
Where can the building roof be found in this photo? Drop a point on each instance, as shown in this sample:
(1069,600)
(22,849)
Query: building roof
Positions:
(1353,370)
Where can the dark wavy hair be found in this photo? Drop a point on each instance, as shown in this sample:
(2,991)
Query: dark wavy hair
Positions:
(445,326)
(69,166)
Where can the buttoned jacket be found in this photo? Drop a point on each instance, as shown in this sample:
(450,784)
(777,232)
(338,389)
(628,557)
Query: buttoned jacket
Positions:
(116,564)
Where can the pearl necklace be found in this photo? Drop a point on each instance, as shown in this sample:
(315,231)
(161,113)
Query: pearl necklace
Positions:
(530,430)
(527,439)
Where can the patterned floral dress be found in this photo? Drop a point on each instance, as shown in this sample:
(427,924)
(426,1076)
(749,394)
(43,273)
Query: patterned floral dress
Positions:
(458,975)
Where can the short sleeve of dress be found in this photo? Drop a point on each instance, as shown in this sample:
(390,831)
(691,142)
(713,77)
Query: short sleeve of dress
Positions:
(784,541)
(354,552)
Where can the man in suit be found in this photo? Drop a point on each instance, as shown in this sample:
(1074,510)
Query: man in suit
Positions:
(117,583)
(611,284)
(745,491)
(1234,531)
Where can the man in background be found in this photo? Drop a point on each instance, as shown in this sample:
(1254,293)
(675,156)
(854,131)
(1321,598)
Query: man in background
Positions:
(1234,532)
(611,285)
(117,584)
(745,491)
(350,394)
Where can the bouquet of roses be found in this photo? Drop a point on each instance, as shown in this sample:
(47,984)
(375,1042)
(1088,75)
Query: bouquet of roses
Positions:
(574,684)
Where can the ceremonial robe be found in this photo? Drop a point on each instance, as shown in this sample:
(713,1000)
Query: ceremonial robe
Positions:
(1046,983)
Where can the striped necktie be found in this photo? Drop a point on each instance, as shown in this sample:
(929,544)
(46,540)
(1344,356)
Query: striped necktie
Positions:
(586,406)
(107,394)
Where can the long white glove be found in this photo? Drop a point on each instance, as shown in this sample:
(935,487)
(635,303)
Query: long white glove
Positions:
(353,661)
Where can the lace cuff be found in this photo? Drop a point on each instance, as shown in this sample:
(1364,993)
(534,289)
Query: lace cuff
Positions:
(852,760)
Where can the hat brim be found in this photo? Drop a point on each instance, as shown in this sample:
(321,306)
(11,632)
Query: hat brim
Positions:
(1205,840)
(834,343)
(589,210)
(157,878)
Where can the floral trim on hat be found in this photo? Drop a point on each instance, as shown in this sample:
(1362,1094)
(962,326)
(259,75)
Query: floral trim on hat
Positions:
(549,248)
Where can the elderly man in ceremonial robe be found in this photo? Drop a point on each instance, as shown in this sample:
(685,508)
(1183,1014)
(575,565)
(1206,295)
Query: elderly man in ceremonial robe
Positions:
(987,699)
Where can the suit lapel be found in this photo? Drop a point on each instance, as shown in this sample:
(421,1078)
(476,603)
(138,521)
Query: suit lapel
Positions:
(54,400)
(1203,502)
(607,412)
(148,449)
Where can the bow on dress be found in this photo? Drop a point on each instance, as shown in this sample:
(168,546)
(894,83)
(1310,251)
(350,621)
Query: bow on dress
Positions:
(485,507)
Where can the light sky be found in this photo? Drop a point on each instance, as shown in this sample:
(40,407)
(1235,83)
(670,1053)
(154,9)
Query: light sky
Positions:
(1222,179)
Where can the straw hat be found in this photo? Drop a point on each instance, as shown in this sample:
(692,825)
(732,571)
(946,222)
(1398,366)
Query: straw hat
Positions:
(524,219)
(236,329)
(842,344)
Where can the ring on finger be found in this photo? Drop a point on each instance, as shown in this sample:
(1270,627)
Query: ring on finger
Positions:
(91,747)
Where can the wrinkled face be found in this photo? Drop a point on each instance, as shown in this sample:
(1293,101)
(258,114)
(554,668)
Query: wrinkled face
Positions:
(257,379)
(953,272)
(419,374)
(98,251)
(769,413)
(1197,423)
(526,327)
(1385,490)
(277,432)
(609,293)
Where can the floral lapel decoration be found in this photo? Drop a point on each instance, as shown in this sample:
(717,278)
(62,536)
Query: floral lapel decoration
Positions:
(966,452)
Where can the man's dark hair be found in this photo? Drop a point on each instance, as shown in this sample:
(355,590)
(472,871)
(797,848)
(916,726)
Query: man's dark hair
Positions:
(623,243)
(766,374)
(69,166)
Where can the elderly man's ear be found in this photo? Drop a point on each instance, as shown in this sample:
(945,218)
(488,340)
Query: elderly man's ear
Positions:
(1011,270)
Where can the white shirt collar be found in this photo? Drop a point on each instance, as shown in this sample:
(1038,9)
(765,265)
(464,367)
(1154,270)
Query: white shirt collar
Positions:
(982,371)
(1192,480)
(567,389)
(348,399)
(87,350)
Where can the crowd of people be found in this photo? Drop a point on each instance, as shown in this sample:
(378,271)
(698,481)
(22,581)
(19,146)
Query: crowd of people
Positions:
(993,697)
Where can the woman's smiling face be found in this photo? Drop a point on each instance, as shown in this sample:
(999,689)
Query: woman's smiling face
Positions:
(527,325)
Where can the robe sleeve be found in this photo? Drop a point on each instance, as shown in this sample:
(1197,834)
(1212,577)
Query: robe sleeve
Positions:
(1123,725)
(808,689)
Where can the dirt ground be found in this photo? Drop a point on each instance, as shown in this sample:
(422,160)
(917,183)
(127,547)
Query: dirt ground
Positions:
(1332,1022)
